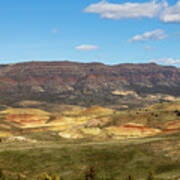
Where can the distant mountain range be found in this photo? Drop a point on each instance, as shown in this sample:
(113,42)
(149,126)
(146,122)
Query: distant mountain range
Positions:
(123,85)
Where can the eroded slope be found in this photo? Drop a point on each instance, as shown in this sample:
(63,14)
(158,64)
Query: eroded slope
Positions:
(96,122)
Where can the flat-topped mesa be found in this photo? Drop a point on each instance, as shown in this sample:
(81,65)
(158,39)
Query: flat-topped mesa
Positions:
(84,83)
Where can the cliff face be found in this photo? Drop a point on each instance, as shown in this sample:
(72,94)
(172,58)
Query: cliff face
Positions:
(85,84)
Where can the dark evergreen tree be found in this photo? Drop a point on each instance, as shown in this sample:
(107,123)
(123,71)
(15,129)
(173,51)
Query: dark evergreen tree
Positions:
(150,176)
(1,173)
(90,174)
(130,177)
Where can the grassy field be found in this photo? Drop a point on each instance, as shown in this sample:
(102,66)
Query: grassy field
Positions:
(112,159)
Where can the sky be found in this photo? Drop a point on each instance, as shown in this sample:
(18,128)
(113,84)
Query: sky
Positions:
(107,31)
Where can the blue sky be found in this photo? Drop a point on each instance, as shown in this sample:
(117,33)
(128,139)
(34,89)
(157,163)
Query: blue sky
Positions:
(112,31)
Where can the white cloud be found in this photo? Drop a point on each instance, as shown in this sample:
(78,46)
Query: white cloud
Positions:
(148,48)
(157,34)
(166,61)
(55,30)
(171,14)
(87,47)
(126,10)
(150,9)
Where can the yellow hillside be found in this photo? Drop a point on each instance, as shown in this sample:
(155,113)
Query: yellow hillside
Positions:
(29,103)
(97,110)
(25,111)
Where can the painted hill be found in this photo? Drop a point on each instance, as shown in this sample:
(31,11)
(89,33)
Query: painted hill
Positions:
(98,123)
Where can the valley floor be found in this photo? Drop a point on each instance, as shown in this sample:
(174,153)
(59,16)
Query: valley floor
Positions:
(70,158)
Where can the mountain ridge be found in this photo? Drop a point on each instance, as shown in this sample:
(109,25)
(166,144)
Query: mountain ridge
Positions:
(85,83)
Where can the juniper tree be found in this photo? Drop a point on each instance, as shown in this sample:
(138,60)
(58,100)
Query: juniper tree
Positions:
(90,174)
(150,176)
(130,178)
(2,175)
